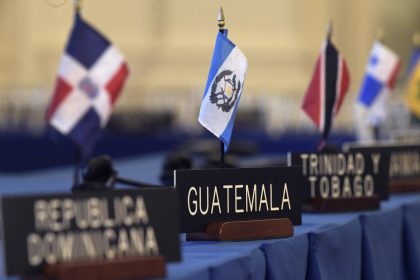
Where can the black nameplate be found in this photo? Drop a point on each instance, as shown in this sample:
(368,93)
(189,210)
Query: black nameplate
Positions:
(237,194)
(52,228)
(342,175)
(404,160)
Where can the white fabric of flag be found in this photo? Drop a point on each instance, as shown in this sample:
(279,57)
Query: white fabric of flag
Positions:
(224,89)
(380,77)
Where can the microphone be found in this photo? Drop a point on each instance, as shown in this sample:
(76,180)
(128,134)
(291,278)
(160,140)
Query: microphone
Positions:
(174,161)
(101,175)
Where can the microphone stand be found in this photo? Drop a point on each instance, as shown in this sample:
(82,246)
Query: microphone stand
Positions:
(136,184)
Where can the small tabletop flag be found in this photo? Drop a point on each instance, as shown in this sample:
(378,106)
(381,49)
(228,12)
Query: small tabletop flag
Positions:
(414,60)
(413,89)
(327,89)
(381,74)
(91,75)
(223,89)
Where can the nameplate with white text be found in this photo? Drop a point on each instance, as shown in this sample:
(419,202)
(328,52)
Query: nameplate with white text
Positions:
(342,175)
(404,159)
(237,194)
(60,228)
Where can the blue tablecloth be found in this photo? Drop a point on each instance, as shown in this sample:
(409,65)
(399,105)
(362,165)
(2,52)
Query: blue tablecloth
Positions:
(335,252)
(411,222)
(280,268)
(383,244)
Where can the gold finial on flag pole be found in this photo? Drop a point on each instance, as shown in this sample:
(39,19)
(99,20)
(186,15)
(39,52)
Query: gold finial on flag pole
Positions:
(77,5)
(329,29)
(221,24)
(381,35)
(221,19)
(416,39)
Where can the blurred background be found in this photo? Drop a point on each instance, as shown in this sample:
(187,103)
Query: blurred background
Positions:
(168,45)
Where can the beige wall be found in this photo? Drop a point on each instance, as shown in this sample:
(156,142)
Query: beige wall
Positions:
(168,43)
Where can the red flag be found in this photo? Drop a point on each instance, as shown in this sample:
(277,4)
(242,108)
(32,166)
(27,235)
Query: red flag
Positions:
(327,88)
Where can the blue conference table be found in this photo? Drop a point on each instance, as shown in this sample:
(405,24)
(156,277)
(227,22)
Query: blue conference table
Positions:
(383,244)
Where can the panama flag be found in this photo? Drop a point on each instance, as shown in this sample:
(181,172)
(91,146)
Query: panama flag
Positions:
(327,88)
(90,78)
(223,89)
(381,74)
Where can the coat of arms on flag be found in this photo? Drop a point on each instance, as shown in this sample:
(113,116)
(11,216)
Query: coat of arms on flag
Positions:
(327,89)
(223,89)
(91,75)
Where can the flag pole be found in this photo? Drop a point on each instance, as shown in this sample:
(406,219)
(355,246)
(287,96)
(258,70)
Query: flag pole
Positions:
(77,5)
(381,36)
(77,161)
(77,152)
(375,127)
(221,20)
(221,24)
(329,29)
(416,39)
(323,142)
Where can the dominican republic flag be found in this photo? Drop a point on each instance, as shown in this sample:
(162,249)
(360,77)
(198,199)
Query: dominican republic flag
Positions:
(91,75)
(327,88)
(381,74)
(223,89)
(413,87)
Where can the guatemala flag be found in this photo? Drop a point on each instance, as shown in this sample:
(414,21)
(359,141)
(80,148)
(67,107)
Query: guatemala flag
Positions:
(381,74)
(223,89)
(90,78)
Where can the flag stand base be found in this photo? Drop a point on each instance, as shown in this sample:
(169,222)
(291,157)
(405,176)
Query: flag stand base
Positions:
(343,204)
(128,268)
(244,230)
(404,185)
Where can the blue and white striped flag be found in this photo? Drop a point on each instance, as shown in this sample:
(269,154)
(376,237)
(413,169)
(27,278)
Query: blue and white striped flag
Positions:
(223,89)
